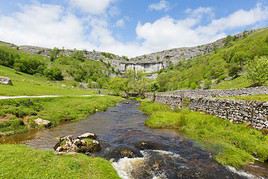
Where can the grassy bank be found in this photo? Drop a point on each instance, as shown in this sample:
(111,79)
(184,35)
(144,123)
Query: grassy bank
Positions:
(25,84)
(17,161)
(250,98)
(232,144)
(17,115)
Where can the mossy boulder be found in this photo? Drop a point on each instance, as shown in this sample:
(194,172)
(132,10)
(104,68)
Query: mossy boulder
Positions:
(85,143)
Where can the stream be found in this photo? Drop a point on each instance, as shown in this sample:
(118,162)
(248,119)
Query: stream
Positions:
(157,153)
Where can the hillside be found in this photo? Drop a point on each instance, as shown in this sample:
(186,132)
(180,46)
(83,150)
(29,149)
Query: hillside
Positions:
(34,74)
(223,68)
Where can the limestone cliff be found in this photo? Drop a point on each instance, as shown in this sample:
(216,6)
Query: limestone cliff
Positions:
(150,63)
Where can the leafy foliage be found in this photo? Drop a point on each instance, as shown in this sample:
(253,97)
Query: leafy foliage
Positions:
(258,71)
(54,74)
(211,70)
(132,83)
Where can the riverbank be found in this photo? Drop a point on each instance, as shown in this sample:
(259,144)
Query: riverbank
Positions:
(231,144)
(18,115)
(19,161)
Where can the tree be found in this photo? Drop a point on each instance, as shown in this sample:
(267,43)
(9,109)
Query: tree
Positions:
(118,85)
(54,74)
(257,71)
(78,55)
(30,64)
(154,88)
(54,53)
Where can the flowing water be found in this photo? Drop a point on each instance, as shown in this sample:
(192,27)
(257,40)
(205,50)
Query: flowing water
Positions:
(155,153)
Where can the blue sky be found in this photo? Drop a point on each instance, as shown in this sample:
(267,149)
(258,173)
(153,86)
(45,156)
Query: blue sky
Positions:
(127,27)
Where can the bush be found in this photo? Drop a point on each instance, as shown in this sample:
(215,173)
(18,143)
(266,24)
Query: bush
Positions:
(30,64)
(7,58)
(257,71)
(54,74)
(54,53)
(78,55)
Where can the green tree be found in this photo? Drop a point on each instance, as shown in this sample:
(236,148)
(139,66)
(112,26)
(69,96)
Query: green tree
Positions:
(53,74)
(30,64)
(78,55)
(257,71)
(118,85)
(154,88)
(54,53)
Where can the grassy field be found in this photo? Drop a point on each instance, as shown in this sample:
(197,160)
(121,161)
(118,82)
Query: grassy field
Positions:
(24,84)
(18,161)
(17,115)
(232,144)
(250,98)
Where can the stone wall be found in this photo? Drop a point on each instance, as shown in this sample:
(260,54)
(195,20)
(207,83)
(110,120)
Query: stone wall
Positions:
(252,112)
(219,93)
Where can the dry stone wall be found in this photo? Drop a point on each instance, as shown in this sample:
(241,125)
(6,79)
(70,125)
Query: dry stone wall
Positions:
(252,112)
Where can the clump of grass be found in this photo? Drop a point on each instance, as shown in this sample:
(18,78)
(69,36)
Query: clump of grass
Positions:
(149,107)
(56,110)
(231,144)
(25,162)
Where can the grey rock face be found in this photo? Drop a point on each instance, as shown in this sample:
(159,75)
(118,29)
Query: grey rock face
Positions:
(5,81)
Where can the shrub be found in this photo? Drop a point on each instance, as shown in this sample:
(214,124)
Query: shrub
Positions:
(30,64)
(53,74)
(7,58)
(257,71)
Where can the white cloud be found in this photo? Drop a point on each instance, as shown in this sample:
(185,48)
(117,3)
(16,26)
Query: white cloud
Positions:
(161,5)
(120,23)
(168,32)
(237,19)
(200,11)
(94,7)
(54,25)
(43,25)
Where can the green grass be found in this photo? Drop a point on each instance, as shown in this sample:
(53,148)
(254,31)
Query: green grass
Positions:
(24,84)
(17,115)
(232,144)
(237,83)
(18,161)
(250,98)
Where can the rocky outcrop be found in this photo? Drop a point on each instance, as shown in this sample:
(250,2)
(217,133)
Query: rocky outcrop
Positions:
(86,143)
(252,112)
(149,63)
(5,81)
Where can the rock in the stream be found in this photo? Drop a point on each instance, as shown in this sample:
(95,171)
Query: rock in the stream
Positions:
(42,122)
(5,81)
(125,151)
(87,135)
(85,143)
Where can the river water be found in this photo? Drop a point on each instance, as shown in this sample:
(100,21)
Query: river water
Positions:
(121,131)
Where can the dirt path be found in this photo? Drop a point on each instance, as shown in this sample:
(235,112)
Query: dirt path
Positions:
(44,96)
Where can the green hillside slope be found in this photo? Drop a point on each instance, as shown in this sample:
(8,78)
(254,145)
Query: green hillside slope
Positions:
(224,68)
